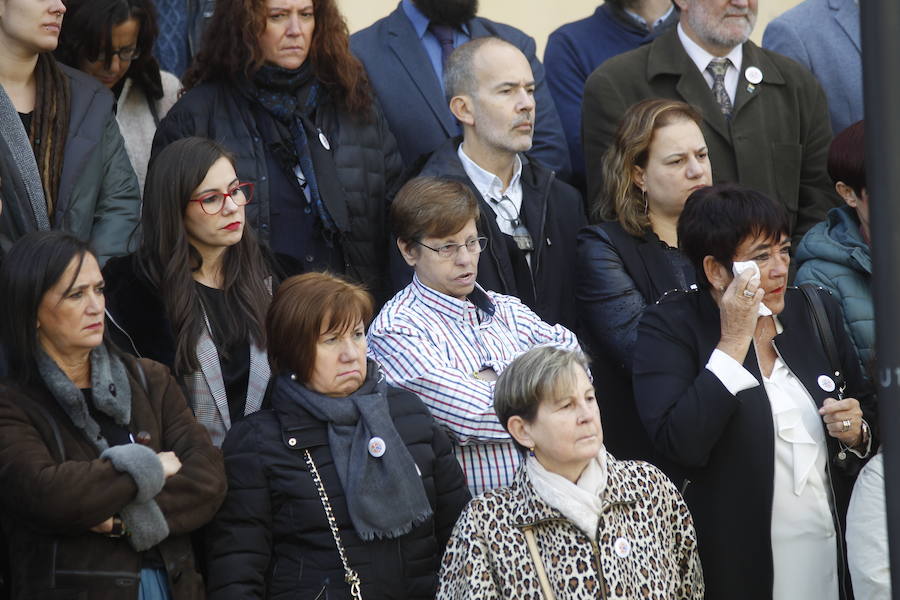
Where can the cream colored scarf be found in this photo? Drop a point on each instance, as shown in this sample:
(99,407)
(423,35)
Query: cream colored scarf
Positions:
(580,502)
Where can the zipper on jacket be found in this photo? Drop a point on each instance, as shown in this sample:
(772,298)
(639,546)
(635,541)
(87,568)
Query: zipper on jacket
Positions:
(543,228)
(598,566)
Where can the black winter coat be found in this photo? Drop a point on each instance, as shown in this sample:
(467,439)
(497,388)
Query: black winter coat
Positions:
(356,186)
(271,538)
(553,213)
(619,275)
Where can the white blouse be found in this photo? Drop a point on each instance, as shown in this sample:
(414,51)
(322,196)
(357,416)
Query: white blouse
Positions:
(804,548)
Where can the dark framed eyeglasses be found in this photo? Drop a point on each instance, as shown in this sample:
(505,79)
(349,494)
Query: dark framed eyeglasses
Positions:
(448,251)
(213,202)
(126,54)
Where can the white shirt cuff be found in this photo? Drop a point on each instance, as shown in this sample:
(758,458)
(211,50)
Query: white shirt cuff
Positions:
(730,372)
(861,453)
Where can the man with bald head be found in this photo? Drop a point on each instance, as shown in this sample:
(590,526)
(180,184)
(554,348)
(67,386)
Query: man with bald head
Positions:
(765,118)
(530,217)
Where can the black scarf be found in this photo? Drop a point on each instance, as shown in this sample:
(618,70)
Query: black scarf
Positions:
(291,95)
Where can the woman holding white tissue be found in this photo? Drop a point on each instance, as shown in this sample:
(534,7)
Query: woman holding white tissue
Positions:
(767,415)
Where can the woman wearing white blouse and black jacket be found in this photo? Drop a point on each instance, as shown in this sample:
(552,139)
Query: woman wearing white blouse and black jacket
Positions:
(734,385)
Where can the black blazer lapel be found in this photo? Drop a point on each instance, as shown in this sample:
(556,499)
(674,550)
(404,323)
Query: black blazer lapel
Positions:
(800,346)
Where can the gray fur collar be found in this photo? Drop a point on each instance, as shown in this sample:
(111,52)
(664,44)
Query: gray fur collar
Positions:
(109,386)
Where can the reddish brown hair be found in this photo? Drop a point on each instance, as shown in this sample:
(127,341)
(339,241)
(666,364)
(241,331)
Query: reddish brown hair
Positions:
(432,207)
(231,49)
(302,306)
(847,157)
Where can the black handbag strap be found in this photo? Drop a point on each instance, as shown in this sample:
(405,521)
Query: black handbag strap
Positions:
(826,335)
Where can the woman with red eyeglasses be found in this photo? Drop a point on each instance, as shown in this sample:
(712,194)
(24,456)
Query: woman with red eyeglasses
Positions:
(194,295)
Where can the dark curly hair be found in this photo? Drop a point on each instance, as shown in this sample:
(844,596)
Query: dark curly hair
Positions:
(87,35)
(231,49)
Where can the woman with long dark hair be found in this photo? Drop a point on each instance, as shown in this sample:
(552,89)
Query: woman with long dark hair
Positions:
(76,177)
(195,293)
(276,83)
(112,40)
(103,468)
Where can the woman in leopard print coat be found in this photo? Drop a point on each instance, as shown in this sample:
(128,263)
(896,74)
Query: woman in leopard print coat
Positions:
(575,523)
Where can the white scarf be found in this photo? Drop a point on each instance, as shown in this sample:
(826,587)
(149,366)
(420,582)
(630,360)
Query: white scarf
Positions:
(580,502)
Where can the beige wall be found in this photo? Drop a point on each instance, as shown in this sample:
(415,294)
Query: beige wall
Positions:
(536,17)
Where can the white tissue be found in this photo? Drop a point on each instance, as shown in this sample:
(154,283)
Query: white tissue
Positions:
(740,267)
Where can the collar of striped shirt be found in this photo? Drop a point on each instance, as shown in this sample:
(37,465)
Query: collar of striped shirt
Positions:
(450,306)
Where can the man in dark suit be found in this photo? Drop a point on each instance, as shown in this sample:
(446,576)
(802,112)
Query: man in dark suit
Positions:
(404,56)
(765,117)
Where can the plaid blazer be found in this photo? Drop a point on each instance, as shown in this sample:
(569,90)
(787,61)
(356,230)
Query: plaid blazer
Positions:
(206,387)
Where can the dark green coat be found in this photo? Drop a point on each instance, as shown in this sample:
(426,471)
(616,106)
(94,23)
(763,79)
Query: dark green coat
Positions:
(776,141)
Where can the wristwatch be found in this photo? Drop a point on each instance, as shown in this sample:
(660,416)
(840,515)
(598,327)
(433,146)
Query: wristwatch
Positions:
(118,528)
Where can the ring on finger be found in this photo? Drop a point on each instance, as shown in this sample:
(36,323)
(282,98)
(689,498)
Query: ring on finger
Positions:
(845,426)
(749,294)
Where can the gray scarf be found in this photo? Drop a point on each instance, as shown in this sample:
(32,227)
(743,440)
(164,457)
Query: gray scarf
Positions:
(109,386)
(385,495)
(111,392)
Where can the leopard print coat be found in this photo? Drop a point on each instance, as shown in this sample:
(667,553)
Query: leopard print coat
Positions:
(645,545)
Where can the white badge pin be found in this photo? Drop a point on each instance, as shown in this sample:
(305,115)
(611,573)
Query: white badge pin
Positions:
(753,75)
(324,141)
(622,547)
(377,447)
(826,383)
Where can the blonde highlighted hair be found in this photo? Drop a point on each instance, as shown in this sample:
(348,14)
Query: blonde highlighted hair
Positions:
(621,199)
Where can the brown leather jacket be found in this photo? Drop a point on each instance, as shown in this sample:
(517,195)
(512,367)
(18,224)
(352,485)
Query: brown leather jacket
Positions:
(56,487)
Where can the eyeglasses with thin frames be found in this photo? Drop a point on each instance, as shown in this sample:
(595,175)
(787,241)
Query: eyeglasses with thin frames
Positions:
(448,251)
(213,202)
(126,54)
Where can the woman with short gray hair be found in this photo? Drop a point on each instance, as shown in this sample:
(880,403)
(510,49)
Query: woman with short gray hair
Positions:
(574,518)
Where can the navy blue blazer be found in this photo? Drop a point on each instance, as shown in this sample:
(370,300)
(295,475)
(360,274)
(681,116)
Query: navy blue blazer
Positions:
(824,37)
(413,100)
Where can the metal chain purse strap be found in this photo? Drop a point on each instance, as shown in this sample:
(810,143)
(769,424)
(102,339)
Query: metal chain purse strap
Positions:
(350,575)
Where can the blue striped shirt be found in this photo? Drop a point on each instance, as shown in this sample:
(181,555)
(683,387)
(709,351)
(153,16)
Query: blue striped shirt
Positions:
(431,344)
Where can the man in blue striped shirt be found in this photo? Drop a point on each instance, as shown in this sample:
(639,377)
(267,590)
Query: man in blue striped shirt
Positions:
(447,339)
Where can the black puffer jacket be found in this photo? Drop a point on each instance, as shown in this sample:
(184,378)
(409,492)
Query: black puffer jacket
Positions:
(271,538)
(366,167)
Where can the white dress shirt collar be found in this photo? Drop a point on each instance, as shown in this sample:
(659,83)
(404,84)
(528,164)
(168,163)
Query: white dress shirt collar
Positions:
(488,184)
(491,189)
(701,58)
